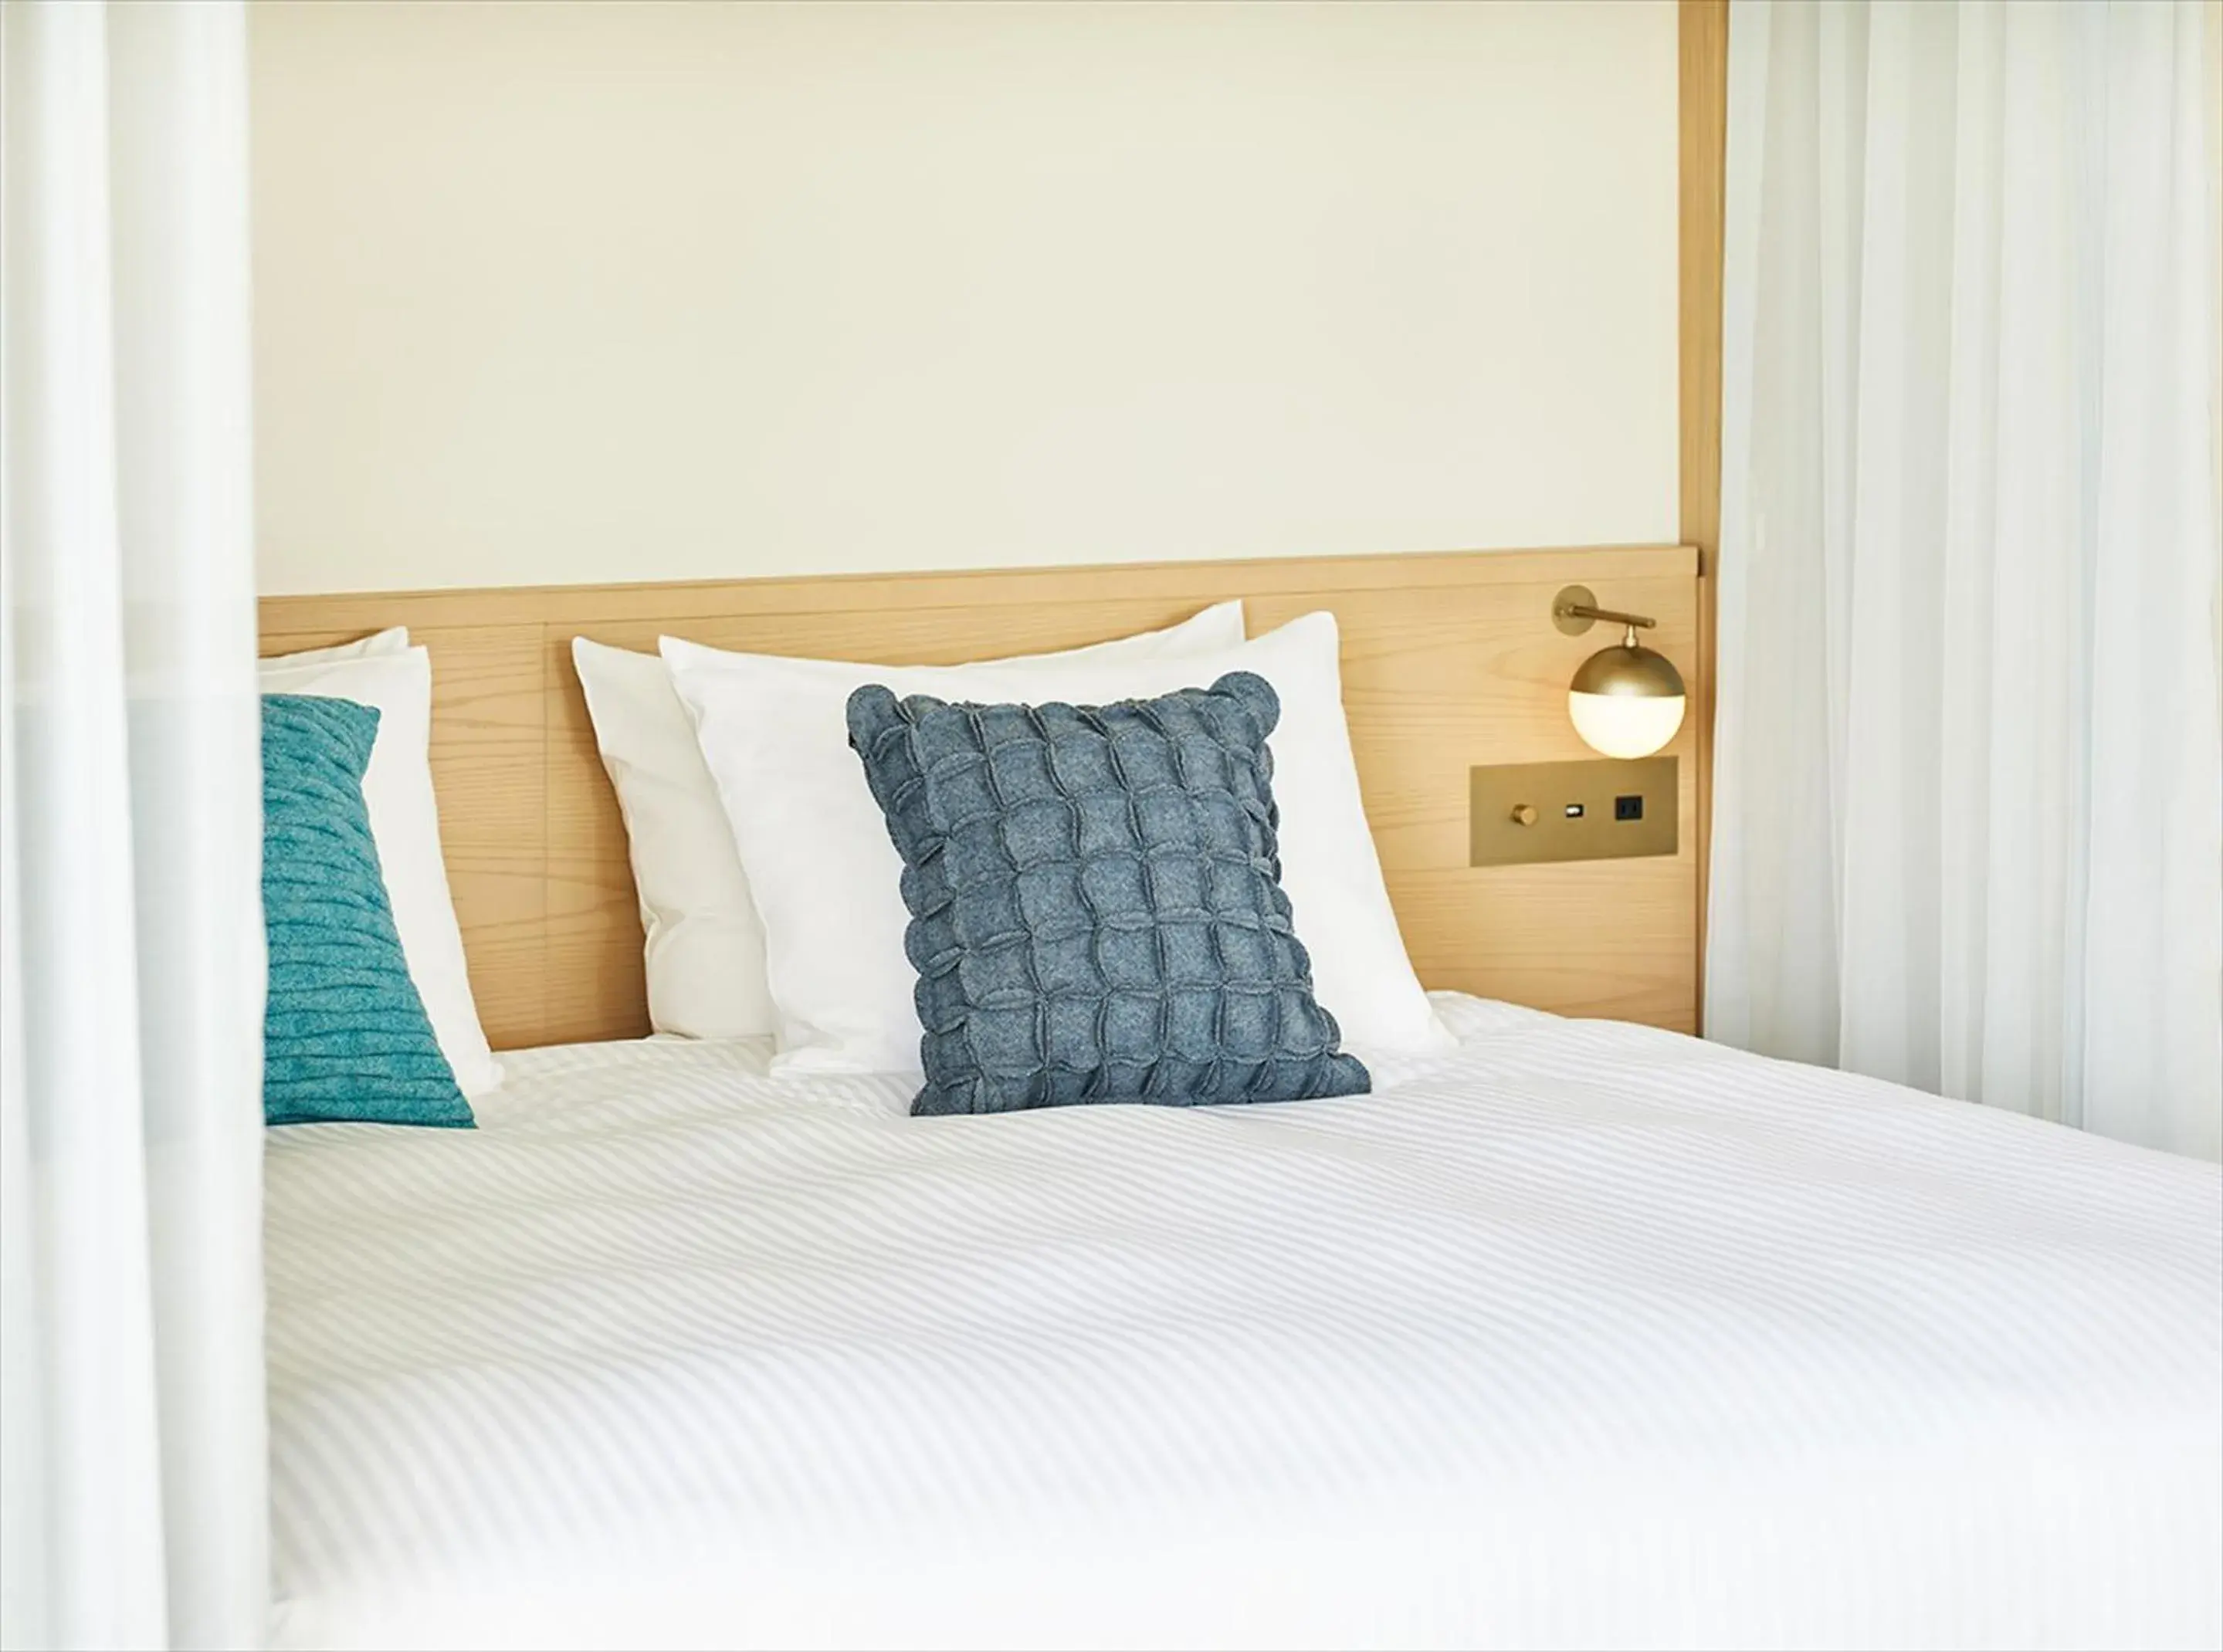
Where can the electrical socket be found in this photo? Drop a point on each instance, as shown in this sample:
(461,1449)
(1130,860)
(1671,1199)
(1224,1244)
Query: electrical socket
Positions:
(1525,813)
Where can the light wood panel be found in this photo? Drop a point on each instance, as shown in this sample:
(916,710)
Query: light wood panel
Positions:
(1449,660)
(1702,119)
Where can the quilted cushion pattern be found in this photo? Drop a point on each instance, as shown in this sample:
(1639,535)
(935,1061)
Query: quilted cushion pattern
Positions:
(344,1033)
(1097,913)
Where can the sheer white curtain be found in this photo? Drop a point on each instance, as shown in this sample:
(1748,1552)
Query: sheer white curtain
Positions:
(1968,828)
(133,1505)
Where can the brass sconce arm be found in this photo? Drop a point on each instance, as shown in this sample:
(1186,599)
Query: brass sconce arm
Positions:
(1575,610)
(1585,610)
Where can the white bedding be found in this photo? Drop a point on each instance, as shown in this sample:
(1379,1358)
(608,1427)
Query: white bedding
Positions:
(1584,1334)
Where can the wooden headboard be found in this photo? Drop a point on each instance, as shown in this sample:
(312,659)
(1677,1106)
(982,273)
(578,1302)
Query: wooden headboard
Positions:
(1449,660)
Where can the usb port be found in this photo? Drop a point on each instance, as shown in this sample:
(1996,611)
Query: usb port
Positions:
(1574,811)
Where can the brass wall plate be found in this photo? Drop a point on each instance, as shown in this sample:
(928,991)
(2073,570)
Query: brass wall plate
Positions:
(1520,813)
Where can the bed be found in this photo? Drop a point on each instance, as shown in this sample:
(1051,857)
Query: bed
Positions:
(1581,1332)
(1588,1332)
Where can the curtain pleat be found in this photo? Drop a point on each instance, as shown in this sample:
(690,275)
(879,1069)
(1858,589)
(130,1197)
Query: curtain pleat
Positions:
(135,1503)
(1970,775)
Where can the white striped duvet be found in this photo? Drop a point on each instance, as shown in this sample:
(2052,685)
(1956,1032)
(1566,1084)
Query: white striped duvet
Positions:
(1586,1335)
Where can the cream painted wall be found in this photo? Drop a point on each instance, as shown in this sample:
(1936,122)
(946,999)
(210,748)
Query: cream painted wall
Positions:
(574,291)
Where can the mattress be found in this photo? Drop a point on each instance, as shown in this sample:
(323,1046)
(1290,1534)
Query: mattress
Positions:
(1584,1334)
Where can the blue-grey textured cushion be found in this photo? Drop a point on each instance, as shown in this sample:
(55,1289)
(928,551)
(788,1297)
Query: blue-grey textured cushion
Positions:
(345,1034)
(1097,911)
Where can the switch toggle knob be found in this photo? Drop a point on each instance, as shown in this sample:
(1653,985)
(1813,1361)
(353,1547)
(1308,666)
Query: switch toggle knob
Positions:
(1524,815)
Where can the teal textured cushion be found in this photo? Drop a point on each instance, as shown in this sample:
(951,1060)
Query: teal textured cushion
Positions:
(345,1034)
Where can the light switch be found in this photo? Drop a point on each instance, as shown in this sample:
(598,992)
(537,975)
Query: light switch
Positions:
(1521,814)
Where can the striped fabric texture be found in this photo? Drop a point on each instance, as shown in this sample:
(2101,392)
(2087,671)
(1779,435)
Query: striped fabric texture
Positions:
(1587,1335)
(344,1033)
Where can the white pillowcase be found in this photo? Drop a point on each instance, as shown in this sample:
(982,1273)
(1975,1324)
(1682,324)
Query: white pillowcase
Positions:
(384,671)
(773,733)
(705,947)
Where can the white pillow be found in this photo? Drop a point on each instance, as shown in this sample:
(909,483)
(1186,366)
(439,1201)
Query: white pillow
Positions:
(386,672)
(393,640)
(705,948)
(773,733)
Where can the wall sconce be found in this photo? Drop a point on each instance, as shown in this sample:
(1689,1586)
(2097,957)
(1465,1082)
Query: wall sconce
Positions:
(1626,701)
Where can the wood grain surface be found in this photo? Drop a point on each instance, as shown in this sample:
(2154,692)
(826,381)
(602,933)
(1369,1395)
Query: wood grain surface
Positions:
(1449,660)
(1703,92)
